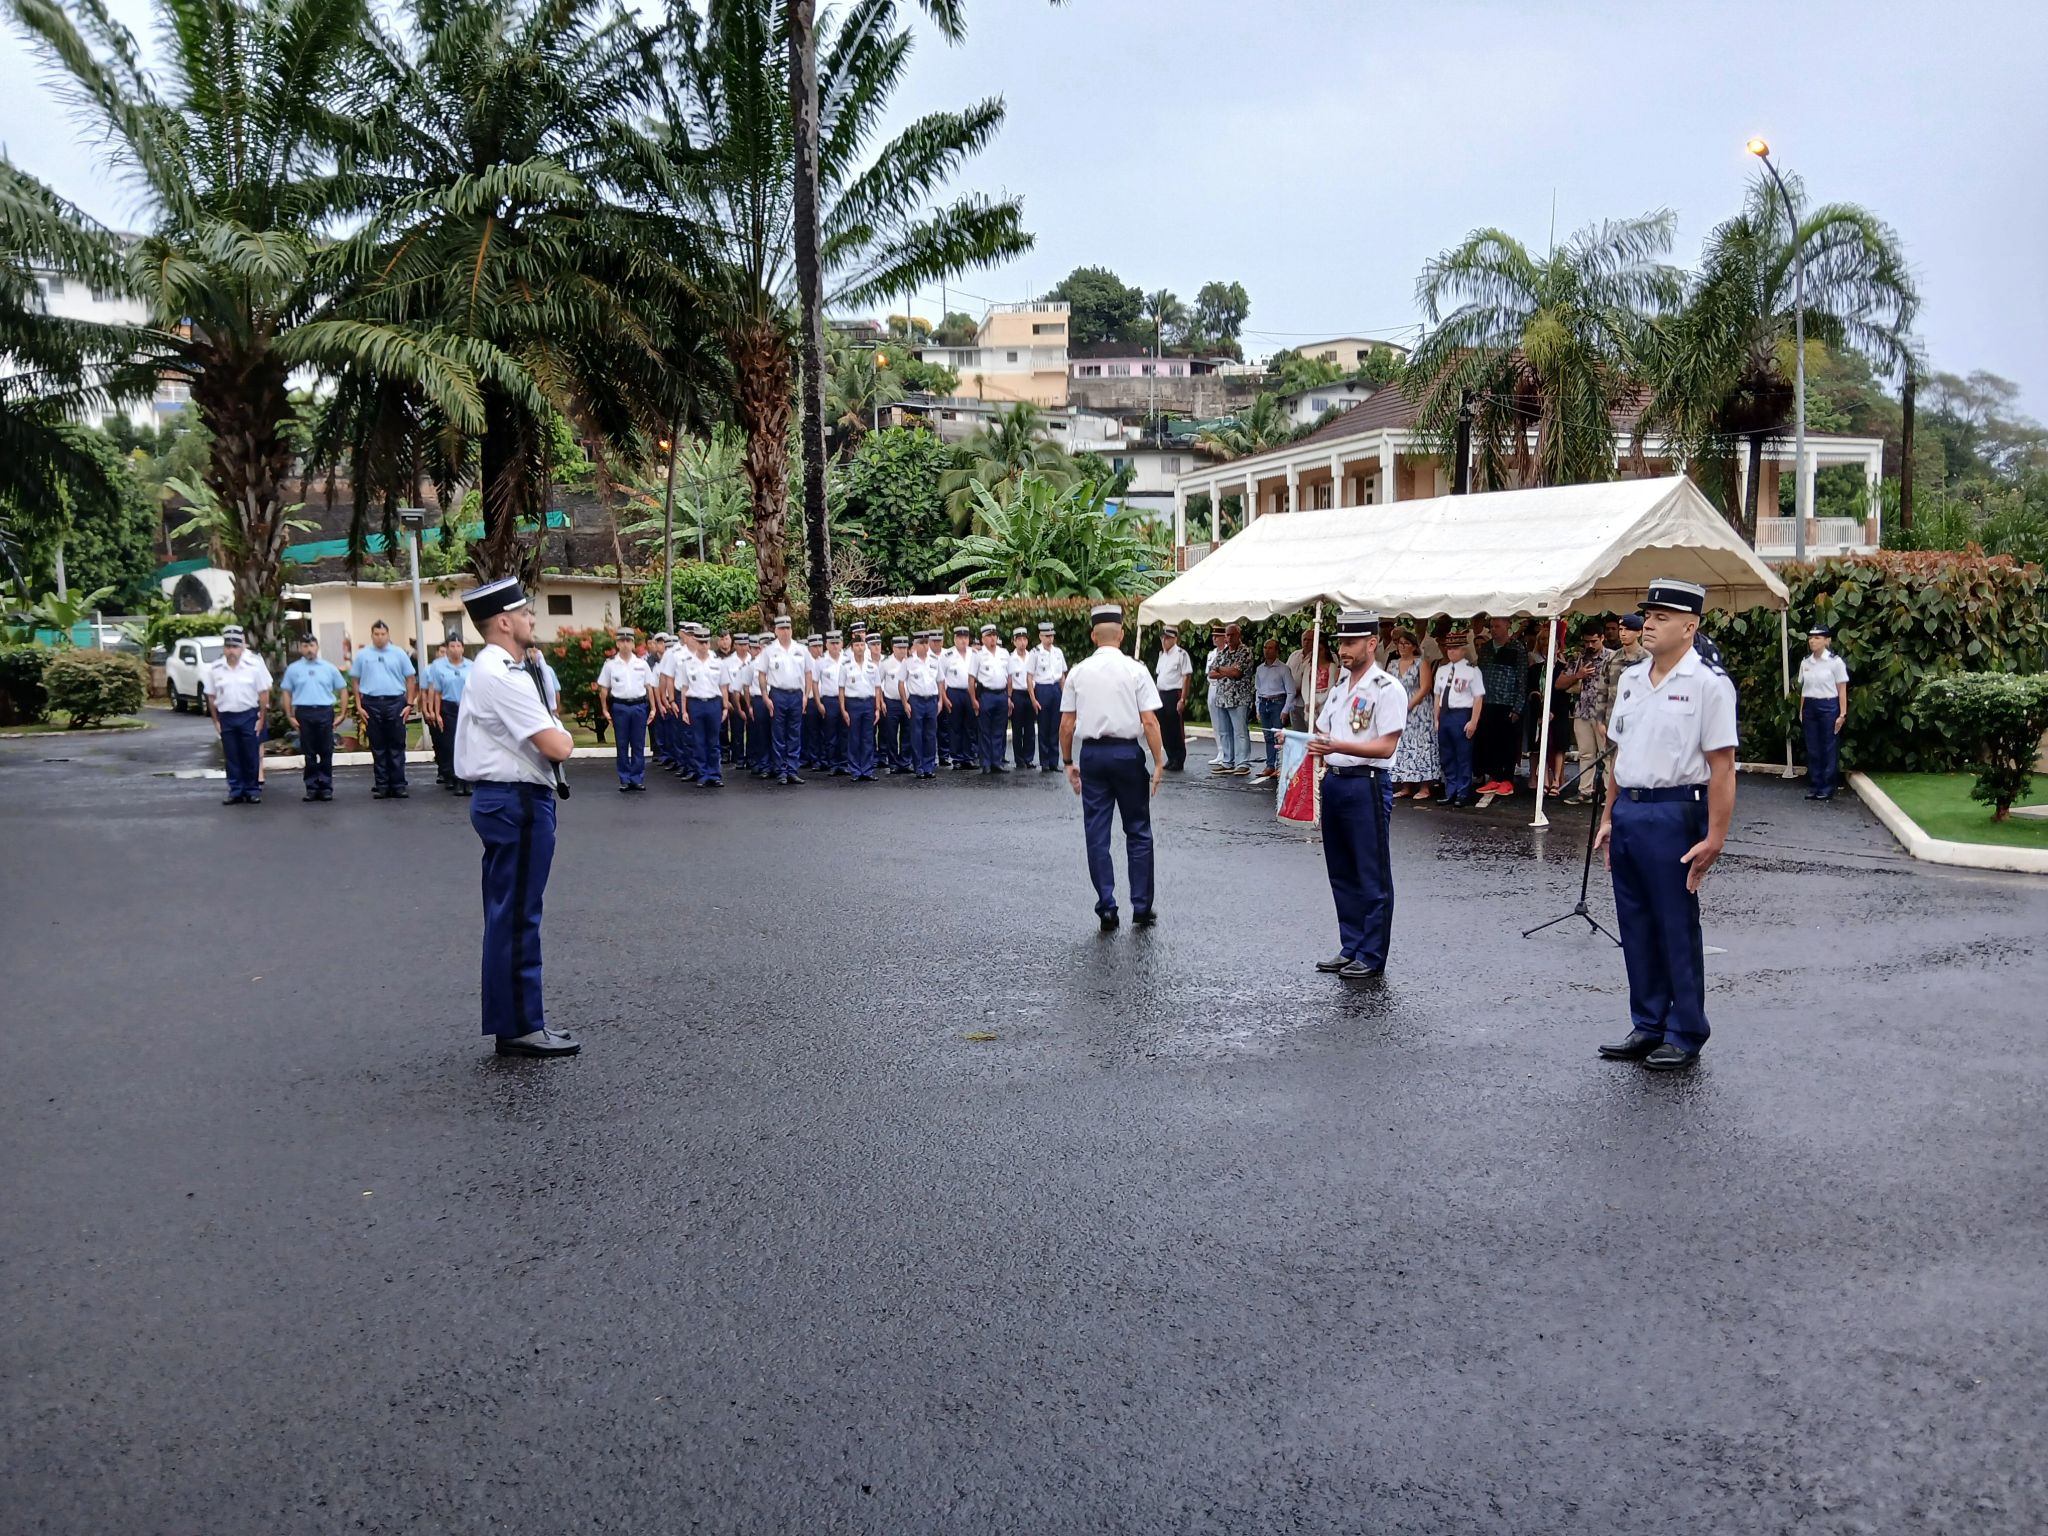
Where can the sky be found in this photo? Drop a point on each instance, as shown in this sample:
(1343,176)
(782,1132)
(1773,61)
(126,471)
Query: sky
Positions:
(1320,151)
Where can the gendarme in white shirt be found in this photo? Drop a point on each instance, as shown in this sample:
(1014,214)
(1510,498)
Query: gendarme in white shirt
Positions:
(1107,695)
(990,670)
(1048,664)
(626,678)
(1819,676)
(1173,668)
(701,676)
(1458,683)
(785,666)
(502,711)
(237,688)
(1664,731)
(1371,704)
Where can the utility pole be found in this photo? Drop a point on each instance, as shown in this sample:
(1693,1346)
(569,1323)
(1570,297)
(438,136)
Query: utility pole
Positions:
(1906,450)
(1762,151)
(1461,473)
(668,537)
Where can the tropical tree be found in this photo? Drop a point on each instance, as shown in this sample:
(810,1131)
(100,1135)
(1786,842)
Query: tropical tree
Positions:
(712,503)
(1220,313)
(858,385)
(996,458)
(1100,307)
(1053,540)
(507,182)
(730,145)
(1538,343)
(1264,425)
(1296,373)
(53,371)
(235,139)
(1165,317)
(1721,369)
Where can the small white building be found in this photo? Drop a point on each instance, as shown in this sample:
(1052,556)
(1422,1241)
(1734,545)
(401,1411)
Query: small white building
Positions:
(1305,407)
(341,612)
(71,298)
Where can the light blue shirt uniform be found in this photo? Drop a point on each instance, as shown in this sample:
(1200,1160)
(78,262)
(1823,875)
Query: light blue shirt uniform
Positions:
(448,679)
(314,682)
(381,674)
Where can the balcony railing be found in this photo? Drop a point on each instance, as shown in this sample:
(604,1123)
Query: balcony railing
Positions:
(1829,536)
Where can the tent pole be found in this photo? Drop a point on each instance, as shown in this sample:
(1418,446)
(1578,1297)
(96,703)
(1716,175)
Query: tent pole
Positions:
(1540,769)
(1785,675)
(1315,773)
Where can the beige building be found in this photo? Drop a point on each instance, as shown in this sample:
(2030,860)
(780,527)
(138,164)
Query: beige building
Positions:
(1020,354)
(341,612)
(1348,352)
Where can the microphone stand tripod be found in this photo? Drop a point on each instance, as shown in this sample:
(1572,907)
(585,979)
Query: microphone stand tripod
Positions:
(1586,873)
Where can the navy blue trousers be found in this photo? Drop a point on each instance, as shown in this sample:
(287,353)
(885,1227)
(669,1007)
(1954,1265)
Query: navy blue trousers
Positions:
(386,715)
(241,745)
(813,733)
(960,728)
(1048,717)
(1658,917)
(1356,813)
(832,736)
(706,716)
(1823,757)
(860,738)
(924,733)
(1454,753)
(1116,782)
(316,744)
(629,727)
(760,735)
(790,720)
(895,734)
(736,726)
(517,825)
(995,715)
(1023,730)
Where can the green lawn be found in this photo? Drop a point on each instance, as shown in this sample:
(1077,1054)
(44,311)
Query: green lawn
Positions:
(59,723)
(1941,804)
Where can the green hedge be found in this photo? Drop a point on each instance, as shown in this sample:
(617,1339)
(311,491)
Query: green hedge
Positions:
(705,593)
(167,629)
(1996,720)
(1900,621)
(23,700)
(92,686)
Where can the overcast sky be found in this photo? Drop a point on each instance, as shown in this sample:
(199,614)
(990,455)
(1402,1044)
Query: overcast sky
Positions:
(1319,152)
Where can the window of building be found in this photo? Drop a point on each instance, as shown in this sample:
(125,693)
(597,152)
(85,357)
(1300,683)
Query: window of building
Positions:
(1147,369)
(100,296)
(1118,465)
(53,286)
(560,605)
(1010,357)
(451,625)
(1170,464)
(1051,328)
(1121,370)
(1091,370)
(1319,406)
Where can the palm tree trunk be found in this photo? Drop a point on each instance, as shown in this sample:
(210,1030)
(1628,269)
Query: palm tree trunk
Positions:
(810,288)
(511,451)
(1754,488)
(243,401)
(761,376)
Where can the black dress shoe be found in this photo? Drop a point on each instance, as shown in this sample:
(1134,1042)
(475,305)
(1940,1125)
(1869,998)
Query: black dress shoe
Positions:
(794,778)
(309,795)
(401,793)
(1670,1058)
(232,800)
(1144,919)
(1358,970)
(1640,1043)
(380,794)
(1334,964)
(1109,920)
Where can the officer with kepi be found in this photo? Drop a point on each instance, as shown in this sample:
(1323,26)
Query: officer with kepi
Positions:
(1108,705)
(1358,730)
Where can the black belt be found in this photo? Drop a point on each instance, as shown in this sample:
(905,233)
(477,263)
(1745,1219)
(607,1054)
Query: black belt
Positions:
(1358,773)
(524,786)
(1121,741)
(1659,796)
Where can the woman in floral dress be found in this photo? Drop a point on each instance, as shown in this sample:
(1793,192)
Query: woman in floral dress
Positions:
(1416,767)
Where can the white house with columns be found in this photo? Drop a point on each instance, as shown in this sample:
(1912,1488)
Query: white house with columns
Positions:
(1372,456)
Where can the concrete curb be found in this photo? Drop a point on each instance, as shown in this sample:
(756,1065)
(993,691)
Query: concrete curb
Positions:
(1937,850)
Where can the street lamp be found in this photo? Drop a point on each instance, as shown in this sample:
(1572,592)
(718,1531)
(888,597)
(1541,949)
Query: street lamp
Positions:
(668,542)
(881,362)
(1762,151)
(412,520)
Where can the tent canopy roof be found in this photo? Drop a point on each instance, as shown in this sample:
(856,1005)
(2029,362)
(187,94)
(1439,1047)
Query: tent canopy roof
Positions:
(1561,549)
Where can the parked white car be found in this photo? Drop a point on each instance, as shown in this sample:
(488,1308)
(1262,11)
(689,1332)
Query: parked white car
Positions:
(184,668)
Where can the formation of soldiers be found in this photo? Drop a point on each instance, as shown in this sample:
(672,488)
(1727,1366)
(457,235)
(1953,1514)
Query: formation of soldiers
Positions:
(841,704)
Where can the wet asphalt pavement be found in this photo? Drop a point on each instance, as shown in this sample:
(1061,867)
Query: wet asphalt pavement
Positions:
(1201,1241)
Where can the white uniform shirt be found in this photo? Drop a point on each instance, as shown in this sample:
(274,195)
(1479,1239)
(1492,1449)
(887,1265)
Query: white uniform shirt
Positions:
(991,670)
(1664,733)
(785,666)
(1048,664)
(1108,695)
(1458,683)
(955,667)
(1020,669)
(1371,704)
(627,680)
(860,678)
(700,676)
(735,670)
(1173,668)
(891,672)
(1819,676)
(239,687)
(658,668)
(501,712)
(921,677)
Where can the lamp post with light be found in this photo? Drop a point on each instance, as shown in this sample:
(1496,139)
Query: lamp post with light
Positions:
(668,541)
(1762,151)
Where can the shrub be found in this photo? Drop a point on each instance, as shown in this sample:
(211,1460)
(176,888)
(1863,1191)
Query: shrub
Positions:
(23,700)
(890,489)
(167,629)
(92,686)
(1997,720)
(706,593)
(1900,621)
(577,655)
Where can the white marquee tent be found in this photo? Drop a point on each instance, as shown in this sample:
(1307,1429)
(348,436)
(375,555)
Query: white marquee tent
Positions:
(1562,549)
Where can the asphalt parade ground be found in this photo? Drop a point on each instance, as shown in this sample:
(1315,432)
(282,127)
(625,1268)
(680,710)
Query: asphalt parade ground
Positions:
(890,1196)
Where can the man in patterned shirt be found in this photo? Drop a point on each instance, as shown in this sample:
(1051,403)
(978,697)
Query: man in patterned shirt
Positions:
(1589,709)
(1504,665)
(1231,669)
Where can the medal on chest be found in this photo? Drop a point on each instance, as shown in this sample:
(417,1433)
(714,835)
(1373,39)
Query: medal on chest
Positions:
(1360,715)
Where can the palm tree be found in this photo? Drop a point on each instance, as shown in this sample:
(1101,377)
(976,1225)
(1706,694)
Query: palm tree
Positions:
(996,458)
(1542,342)
(53,371)
(236,156)
(857,387)
(1052,540)
(711,497)
(730,143)
(1721,369)
(1266,425)
(506,177)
